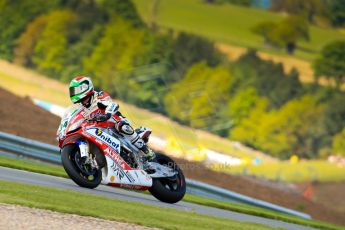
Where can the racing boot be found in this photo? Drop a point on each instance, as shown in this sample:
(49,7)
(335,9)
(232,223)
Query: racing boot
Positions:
(138,137)
(144,134)
(140,144)
(149,155)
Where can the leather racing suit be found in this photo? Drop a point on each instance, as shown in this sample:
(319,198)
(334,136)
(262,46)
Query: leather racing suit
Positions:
(103,108)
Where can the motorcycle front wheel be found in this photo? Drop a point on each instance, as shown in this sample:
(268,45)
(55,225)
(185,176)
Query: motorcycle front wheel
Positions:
(82,174)
(170,189)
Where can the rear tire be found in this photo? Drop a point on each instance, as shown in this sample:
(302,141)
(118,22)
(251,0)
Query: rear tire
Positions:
(69,157)
(172,189)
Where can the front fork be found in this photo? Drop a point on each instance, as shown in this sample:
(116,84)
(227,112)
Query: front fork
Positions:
(85,154)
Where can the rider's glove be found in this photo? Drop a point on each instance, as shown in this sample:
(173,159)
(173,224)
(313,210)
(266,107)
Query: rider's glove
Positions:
(103,117)
(112,107)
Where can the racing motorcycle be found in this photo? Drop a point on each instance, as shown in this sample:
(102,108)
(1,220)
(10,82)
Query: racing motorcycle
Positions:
(93,153)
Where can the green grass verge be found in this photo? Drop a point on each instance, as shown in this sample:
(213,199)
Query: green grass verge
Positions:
(111,209)
(43,168)
(229,24)
(318,170)
(241,208)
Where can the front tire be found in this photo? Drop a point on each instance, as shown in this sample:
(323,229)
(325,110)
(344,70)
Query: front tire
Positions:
(172,189)
(79,173)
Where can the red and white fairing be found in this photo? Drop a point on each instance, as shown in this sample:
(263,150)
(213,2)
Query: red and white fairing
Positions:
(116,172)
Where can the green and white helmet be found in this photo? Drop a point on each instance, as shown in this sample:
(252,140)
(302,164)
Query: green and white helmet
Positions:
(80,88)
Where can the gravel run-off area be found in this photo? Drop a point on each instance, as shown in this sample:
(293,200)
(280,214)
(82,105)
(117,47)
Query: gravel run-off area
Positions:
(20,218)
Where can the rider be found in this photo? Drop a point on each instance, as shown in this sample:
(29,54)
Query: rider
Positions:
(81,91)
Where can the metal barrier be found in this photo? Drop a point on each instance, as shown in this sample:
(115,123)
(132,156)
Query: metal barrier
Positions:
(49,153)
(202,189)
(29,148)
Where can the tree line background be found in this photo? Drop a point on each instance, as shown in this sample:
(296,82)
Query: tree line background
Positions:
(181,75)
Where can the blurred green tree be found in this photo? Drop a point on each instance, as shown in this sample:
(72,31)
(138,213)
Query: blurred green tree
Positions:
(158,49)
(241,104)
(153,71)
(247,130)
(297,124)
(123,9)
(116,50)
(14,16)
(265,29)
(289,31)
(197,98)
(336,12)
(335,113)
(178,101)
(79,51)
(339,143)
(331,64)
(25,44)
(213,96)
(293,129)
(284,34)
(90,12)
(50,49)
(190,49)
(267,77)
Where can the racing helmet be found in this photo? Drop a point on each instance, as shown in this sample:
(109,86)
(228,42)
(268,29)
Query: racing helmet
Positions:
(80,88)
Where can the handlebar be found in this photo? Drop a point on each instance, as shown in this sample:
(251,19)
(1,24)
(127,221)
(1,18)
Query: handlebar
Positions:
(90,120)
(99,118)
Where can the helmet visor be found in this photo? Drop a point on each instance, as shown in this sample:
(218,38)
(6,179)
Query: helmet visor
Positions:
(77,89)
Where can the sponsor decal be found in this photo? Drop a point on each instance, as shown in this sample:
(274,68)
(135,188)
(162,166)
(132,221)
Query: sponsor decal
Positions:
(121,173)
(106,138)
(115,157)
(129,177)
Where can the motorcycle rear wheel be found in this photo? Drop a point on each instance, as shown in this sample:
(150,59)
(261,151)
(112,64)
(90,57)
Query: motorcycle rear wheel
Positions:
(172,189)
(79,173)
